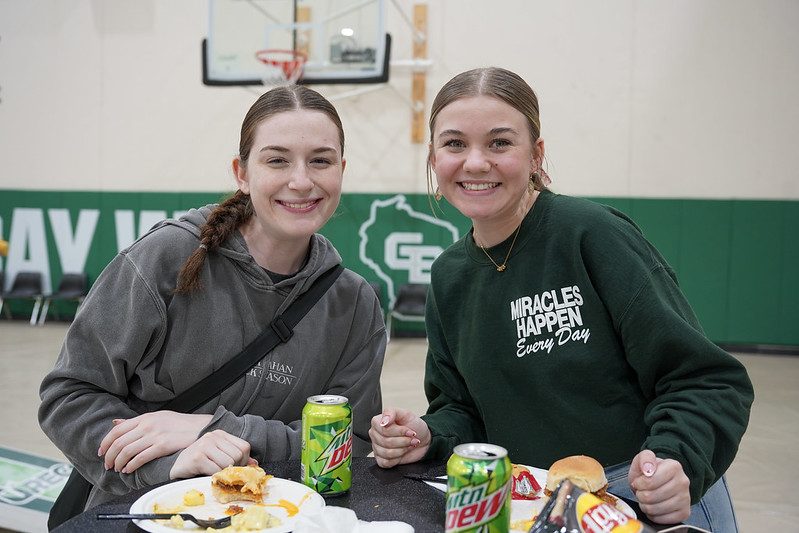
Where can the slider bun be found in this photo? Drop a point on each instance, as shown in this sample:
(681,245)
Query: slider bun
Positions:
(581,470)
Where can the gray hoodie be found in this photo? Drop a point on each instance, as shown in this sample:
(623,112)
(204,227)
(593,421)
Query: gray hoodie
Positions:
(133,346)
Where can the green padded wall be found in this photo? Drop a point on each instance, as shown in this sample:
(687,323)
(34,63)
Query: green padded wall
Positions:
(737,261)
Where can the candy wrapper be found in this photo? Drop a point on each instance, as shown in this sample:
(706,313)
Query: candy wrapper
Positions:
(570,509)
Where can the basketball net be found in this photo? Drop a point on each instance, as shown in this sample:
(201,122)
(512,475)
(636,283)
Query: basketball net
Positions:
(284,67)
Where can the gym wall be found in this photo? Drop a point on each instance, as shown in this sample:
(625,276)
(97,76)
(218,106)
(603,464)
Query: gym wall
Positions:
(682,114)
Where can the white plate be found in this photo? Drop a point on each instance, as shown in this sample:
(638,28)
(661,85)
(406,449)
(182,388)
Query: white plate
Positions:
(527,509)
(171,495)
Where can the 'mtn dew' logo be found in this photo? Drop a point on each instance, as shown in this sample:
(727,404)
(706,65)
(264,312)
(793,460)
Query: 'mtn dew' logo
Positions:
(473,506)
(337,451)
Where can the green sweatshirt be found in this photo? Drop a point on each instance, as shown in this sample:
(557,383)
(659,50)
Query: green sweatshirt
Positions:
(583,345)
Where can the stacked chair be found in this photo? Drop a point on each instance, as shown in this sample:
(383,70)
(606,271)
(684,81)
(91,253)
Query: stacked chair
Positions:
(408,306)
(73,287)
(27,286)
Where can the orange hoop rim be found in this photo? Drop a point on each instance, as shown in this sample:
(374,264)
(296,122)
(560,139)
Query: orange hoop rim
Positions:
(292,68)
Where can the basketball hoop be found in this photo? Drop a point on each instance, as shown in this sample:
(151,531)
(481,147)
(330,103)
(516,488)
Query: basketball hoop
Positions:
(288,66)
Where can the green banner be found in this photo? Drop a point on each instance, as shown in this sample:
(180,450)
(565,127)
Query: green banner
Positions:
(388,239)
(736,260)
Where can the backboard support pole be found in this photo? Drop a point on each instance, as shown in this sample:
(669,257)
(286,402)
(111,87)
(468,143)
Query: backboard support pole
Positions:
(419,78)
(303,44)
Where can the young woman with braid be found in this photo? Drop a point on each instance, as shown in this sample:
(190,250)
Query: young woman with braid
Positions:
(555,328)
(192,293)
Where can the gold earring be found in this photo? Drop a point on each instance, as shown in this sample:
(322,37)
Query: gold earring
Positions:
(438,195)
(531,183)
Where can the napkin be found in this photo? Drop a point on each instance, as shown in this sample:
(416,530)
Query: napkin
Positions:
(343,520)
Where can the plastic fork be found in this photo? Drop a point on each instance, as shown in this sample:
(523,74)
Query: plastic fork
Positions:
(219,523)
(422,477)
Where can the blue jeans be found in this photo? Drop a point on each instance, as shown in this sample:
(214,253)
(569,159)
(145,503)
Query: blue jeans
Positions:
(714,511)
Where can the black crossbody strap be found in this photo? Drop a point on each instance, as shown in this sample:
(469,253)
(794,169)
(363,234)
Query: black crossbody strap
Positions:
(75,493)
(280,330)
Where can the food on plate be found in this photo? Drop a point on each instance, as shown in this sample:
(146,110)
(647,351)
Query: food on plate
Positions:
(176,521)
(253,518)
(571,508)
(525,486)
(233,509)
(193,498)
(522,525)
(240,483)
(584,472)
(167,509)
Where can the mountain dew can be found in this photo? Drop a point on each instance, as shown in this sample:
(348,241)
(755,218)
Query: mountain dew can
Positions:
(479,478)
(327,445)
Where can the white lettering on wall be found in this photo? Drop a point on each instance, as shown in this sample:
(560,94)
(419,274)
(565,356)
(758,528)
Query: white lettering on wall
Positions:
(125,225)
(403,252)
(73,247)
(28,243)
(27,249)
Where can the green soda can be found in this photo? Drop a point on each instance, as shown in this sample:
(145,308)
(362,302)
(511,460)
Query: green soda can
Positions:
(327,444)
(479,478)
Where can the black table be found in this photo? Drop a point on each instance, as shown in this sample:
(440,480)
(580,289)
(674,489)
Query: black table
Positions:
(376,494)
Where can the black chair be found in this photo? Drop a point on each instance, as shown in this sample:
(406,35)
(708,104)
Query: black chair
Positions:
(408,306)
(27,286)
(72,288)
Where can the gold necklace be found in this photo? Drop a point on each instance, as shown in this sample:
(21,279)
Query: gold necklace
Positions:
(503,266)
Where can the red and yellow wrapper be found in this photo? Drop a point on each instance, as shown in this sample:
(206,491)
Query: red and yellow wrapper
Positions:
(570,509)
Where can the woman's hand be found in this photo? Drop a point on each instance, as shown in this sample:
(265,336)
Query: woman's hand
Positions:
(211,453)
(398,437)
(137,441)
(661,488)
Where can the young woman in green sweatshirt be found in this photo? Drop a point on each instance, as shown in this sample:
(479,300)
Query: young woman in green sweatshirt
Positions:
(555,328)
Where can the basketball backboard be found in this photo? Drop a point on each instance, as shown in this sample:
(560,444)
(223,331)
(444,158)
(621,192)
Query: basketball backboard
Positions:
(345,41)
